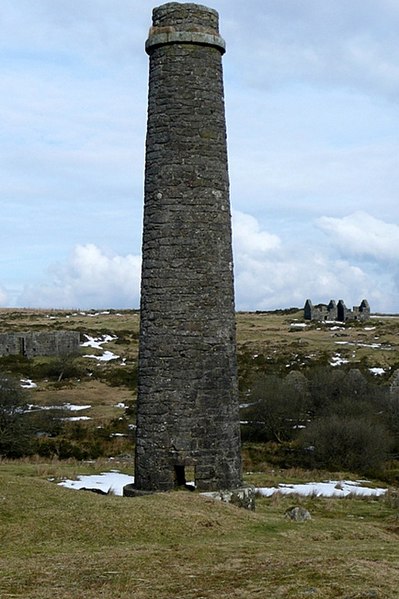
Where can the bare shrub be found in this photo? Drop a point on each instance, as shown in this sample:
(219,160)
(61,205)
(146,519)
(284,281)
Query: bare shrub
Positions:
(277,408)
(342,443)
(15,433)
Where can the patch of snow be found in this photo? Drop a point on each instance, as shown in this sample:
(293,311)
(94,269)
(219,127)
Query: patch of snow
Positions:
(97,342)
(114,481)
(106,356)
(369,328)
(337,360)
(332,488)
(377,371)
(108,482)
(28,384)
(120,405)
(298,325)
(371,345)
(75,408)
(66,406)
(76,418)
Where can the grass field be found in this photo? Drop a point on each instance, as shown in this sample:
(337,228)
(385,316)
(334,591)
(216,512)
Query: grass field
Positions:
(56,542)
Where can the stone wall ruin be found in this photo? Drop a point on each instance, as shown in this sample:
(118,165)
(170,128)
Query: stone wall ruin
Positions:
(42,343)
(336,312)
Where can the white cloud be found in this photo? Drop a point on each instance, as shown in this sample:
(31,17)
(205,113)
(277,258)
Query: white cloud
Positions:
(327,43)
(286,273)
(89,279)
(248,236)
(270,272)
(363,235)
(311,90)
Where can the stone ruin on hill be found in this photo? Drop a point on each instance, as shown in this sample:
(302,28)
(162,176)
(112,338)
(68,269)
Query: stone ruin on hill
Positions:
(334,311)
(43,343)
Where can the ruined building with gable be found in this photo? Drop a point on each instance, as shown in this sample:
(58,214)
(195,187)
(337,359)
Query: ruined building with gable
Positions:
(334,311)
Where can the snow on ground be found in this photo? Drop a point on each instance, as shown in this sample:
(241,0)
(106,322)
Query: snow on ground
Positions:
(108,482)
(114,481)
(371,345)
(65,406)
(97,343)
(337,360)
(332,488)
(75,408)
(106,357)
(28,384)
(377,371)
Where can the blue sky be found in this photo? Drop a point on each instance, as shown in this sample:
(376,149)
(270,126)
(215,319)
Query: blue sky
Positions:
(312,92)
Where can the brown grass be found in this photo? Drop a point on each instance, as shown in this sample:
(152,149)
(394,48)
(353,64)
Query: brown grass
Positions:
(57,542)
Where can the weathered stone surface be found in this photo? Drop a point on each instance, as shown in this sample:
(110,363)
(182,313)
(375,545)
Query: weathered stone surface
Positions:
(39,344)
(187,414)
(297,514)
(243,497)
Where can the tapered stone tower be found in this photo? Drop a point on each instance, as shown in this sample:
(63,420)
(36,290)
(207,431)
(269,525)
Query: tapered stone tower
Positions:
(187,411)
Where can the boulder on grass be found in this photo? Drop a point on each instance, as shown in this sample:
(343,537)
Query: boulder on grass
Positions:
(297,514)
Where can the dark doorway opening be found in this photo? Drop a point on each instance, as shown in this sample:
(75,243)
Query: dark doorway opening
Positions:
(180,476)
(22,349)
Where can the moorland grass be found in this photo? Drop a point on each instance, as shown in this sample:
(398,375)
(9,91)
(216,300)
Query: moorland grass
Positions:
(57,542)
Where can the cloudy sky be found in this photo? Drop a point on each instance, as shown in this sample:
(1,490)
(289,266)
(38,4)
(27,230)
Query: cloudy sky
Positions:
(312,91)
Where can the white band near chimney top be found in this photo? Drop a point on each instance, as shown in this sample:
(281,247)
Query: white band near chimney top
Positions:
(185,37)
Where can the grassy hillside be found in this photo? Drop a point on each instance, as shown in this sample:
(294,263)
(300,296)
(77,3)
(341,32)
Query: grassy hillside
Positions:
(271,343)
(271,340)
(278,340)
(57,542)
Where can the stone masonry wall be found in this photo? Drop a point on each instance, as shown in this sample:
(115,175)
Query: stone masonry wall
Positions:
(187,392)
(334,311)
(39,344)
